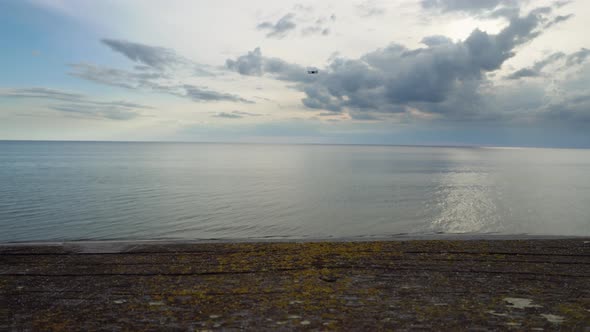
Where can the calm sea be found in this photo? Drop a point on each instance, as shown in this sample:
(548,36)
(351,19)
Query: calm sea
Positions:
(89,190)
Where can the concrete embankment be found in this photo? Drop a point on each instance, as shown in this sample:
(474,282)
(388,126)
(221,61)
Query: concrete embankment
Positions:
(531,284)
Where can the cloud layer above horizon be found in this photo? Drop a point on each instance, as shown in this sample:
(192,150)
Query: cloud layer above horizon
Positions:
(491,72)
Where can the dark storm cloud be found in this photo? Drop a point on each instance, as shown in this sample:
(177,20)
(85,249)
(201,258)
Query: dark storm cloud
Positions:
(152,56)
(443,77)
(281,28)
(79,104)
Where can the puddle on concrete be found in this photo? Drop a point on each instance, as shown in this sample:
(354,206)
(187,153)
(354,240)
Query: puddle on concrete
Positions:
(497,313)
(553,318)
(520,303)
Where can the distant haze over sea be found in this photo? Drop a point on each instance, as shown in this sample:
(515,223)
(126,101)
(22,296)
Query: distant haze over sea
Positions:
(54,191)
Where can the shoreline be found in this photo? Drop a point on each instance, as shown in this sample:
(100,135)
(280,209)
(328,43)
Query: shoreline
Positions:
(522,284)
(393,238)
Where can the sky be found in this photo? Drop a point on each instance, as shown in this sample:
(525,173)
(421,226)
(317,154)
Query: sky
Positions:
(409,72)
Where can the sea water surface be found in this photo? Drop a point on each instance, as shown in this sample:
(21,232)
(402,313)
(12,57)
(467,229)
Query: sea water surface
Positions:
(55,191)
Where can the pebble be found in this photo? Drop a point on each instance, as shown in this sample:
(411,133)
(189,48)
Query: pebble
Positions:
(305,322)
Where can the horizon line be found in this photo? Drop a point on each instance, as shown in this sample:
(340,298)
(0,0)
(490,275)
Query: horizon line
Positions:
(295,143)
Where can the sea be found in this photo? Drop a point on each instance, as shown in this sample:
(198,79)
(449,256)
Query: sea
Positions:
(70,191)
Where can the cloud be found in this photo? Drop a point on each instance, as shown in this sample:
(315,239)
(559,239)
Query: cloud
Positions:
(155,58)
(436,40)
(578,57)
(469,6)
(97,111)
(574,109)
(281,28)
(153,73)
(559,19)
(308,24)
(78,103)
(246,113)
(228,115)
(315,30)
(43,93)
(255,64)
(363,116)
(235,115)
(249,64)
(319,26)
(443,78)
(571,60)
(153,76)
(203,95)
(117,77)
(369,8)
(538,66)
(152,56)
(152,81)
